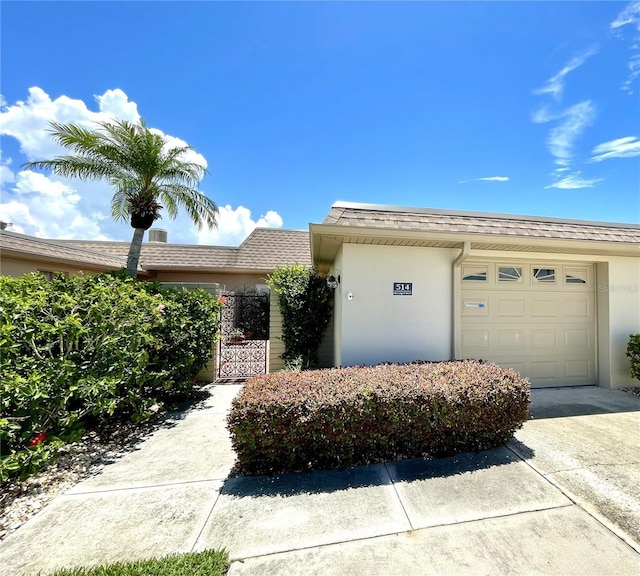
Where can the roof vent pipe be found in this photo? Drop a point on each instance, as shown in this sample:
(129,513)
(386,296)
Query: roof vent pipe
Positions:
(157,235)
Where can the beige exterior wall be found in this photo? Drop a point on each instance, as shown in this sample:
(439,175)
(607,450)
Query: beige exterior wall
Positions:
(210,372)
(228,282)
(378,326)
(619,311)
(13,267)
(276,345)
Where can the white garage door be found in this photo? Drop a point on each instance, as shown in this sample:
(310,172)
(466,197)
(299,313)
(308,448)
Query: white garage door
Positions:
(537,318)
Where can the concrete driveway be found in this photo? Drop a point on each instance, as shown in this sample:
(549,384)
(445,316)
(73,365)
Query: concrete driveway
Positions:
(561,498)
(586,441)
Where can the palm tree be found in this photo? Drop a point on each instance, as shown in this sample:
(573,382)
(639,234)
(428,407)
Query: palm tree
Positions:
(146,173)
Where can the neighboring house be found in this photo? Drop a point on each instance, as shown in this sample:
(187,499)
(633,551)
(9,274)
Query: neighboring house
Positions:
(242,268)
(217,269)
(20,254)
(554,299)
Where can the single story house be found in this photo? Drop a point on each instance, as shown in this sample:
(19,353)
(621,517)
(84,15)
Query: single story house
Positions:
(555,299)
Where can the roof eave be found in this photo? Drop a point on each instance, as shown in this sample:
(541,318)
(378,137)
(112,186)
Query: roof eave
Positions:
(327,238)
(73,262)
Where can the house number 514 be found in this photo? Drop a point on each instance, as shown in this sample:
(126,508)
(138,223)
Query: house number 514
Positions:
(402,288)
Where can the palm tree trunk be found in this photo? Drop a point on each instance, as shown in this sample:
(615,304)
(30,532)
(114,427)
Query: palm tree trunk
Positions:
(134,252)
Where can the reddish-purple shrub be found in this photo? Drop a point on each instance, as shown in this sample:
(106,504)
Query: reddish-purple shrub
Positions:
(290,421)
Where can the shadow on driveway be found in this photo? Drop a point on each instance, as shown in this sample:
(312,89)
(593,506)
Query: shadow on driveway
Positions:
(329,481)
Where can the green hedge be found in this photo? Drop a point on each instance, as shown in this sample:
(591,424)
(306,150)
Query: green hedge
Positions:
(291,421)
(89,348)
(633,352)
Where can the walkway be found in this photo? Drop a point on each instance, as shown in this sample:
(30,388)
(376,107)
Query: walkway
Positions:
(561,499)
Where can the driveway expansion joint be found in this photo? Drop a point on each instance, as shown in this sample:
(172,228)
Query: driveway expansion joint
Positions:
(98,490)
(395,490)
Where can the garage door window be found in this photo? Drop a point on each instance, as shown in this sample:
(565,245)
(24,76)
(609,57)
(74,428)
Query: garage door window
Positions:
(575,275)
(474,273)
(509,274)
(544,275)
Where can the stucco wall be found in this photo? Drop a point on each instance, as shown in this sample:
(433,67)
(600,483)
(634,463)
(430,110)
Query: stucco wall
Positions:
(14,267)
(228,282)
(378,326)
(620,290)
(210,372)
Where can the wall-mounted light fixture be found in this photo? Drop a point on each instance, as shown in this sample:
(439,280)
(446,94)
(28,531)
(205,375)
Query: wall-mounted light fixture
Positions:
(333,280)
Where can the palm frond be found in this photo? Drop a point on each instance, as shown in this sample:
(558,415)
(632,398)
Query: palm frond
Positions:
(145,173)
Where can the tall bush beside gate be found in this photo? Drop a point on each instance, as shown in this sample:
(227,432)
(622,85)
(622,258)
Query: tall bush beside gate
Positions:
(633,352)
(305,303)
(88,348)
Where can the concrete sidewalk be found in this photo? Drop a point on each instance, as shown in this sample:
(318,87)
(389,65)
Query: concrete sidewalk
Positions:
(562,498)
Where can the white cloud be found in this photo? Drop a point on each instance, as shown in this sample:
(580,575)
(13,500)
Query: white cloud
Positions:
(569,124)
(47,208)
(235,224)
(574,181)
(543,115)
(562,138)
(28,121)
(495,179)
(630,16)
(487,179)
(555,84)
(173,142)
(6,174)
(620,148)
(115,104)
(53,207)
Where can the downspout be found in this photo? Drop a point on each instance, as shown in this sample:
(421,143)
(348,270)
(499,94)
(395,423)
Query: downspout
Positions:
(455,340)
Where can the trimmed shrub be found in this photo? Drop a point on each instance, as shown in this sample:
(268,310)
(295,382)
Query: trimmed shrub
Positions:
(89,348)
(633,351)
(292,421)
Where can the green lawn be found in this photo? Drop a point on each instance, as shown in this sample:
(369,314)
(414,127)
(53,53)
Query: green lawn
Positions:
(207,563)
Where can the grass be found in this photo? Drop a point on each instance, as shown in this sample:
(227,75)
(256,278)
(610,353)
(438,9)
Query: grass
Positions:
(207,563)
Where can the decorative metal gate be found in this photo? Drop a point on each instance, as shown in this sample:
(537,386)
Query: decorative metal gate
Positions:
(244,333)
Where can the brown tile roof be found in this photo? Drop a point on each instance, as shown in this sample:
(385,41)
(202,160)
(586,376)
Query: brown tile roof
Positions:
(19,245)
(432,220)
(263,250)
(267,248)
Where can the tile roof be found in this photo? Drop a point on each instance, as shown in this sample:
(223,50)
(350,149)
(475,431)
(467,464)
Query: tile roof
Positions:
(263,250)
(14,244)
(432,220)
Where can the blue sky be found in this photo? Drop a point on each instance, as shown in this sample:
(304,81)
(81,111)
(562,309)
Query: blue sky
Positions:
(509,107)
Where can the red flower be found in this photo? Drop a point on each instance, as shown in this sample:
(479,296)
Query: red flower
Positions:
(222,300)
(39,438)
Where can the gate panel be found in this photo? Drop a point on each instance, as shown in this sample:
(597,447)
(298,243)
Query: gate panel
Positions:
(244,335)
